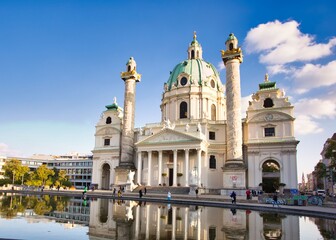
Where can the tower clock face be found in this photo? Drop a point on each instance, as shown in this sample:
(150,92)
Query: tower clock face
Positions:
(184,81)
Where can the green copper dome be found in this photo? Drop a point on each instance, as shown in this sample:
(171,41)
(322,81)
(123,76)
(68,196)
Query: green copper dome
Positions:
(197,69)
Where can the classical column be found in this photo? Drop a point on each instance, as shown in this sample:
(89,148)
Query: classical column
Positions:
(137,221)
(130,77)
(199,166)
(147,221)
(160,167)
(149,175)
(199,229)
(158,225)
(232,58)
(174,223)
(175,169)
(186,168)
(186,225)
(139,167)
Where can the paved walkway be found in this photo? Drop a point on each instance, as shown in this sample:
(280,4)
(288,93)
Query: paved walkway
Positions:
(326,211)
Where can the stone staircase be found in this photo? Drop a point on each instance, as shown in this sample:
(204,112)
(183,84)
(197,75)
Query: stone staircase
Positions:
(163,189)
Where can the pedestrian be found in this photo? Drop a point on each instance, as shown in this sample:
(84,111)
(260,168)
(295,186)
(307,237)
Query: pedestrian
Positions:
(275,200)
(248,194)
(169,196)
(140,193)
(114,192)
(233,197)
(58,187)
(85,190)
(145,189)
(196,191)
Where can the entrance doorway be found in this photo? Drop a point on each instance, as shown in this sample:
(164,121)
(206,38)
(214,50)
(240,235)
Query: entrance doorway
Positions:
(106,177)
(270,176)
(171,176)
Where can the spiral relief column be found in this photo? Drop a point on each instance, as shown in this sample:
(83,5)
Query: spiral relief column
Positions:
(234,168)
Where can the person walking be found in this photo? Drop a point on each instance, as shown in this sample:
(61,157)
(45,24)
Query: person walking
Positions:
(169,196)
(275,200)
(145,189)
(248,194)
(140,193)
(233,197)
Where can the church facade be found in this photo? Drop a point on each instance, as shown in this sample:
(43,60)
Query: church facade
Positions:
(202,140)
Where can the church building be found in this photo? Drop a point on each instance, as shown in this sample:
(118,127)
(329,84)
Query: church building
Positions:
(202,140)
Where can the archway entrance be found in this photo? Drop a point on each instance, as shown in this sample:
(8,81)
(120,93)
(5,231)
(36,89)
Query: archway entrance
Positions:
(105,177)
(270,176)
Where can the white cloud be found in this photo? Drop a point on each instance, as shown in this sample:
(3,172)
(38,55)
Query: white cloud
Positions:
(278,68)
(317,108)
(309,112)
(245,104)
(314,76)
(6,151)
(305,125)
(220,66)
(281,43)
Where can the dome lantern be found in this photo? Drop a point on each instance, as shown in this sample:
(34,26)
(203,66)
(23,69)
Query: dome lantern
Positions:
(195,49)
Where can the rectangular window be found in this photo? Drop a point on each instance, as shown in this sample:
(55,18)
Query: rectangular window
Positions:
(212,135)
(107,142)
(269,132)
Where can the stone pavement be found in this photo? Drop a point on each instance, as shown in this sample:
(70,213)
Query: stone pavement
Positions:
(326,211)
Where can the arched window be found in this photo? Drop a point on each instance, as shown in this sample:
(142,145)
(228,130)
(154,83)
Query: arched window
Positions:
(212,162)
(183,110)
(192,54)
(270,176)
(268,103)
(213,112)
(129,68)
(231,46)
(108,120)
(197,54)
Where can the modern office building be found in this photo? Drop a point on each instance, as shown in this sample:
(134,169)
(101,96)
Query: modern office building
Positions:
(78,167)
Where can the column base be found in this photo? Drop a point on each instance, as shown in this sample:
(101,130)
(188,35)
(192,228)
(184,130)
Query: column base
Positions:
(234,175)
(121,175)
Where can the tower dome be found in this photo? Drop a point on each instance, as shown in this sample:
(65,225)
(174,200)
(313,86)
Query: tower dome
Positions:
(193,82)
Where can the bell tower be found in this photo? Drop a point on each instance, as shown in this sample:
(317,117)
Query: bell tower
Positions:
(126,163)
(234,167)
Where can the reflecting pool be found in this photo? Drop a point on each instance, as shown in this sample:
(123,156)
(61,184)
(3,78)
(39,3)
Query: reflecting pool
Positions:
(54,217)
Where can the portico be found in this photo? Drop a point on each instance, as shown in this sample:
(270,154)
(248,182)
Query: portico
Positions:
(170,161)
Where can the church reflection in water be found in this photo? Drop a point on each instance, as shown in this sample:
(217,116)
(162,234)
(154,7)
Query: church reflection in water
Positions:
(133,220)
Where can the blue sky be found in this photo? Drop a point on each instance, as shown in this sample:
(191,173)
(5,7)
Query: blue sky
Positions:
(60,63)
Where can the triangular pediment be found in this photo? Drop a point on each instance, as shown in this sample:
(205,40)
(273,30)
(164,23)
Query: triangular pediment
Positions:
(168,136)
(269,117)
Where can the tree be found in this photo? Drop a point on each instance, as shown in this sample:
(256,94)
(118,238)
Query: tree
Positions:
(320,172)
(330,152)
(60,178)
(15,170)
(44,174)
